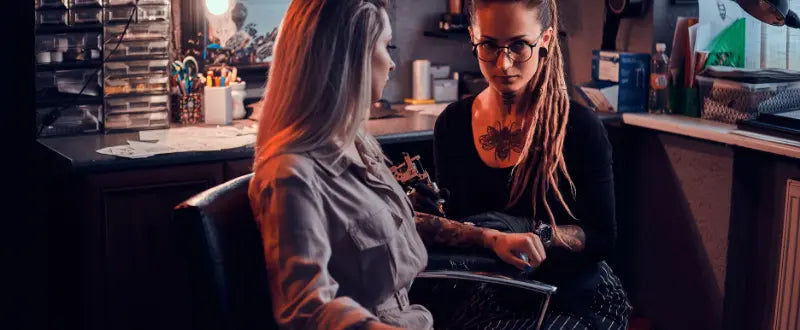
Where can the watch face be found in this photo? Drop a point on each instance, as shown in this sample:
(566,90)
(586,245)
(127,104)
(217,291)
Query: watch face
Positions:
(545,233)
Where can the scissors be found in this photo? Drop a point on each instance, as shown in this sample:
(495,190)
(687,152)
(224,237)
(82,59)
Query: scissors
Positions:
(185,71)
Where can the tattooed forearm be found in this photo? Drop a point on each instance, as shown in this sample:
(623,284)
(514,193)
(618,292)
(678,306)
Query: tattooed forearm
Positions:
(440,231)
(573,237)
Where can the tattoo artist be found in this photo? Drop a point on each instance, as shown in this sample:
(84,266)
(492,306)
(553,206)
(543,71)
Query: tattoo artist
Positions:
(521,157)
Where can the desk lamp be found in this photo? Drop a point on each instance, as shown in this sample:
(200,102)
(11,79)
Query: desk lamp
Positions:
(774,12)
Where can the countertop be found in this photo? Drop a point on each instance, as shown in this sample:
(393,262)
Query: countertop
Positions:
(79,152)
(708,130)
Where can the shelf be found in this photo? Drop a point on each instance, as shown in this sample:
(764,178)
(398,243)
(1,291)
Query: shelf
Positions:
(91,64)
(457,35)
(66,99)
(52,29)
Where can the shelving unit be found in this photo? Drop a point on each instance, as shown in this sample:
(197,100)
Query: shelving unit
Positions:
(73,37)
(458,35)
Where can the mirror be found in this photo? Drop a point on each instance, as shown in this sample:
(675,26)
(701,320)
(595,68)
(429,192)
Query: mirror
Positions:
(242,32)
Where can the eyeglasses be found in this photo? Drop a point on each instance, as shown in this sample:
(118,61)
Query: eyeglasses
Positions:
(518,51)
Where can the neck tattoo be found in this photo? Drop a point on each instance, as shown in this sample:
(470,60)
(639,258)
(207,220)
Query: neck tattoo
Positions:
(501,138)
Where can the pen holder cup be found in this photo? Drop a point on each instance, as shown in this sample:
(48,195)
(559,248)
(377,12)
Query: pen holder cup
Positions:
(190,108)
(218,105)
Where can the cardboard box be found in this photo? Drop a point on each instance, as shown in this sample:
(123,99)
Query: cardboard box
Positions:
(629,71)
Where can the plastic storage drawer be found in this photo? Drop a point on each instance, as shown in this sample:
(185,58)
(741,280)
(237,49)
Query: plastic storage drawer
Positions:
(120,14)
(136,85)
(137,104)
(110,3)
(60,4)
(120,69)
(52,17)
(68,82)
(137,32)
(139,49)
(86,16)
(86,3)
(136,121)
(72,120)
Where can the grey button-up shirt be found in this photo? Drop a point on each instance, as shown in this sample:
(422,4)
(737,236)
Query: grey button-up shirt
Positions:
(340,242)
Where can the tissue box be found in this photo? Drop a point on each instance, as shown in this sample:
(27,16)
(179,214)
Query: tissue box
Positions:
(630,73)
(445,90)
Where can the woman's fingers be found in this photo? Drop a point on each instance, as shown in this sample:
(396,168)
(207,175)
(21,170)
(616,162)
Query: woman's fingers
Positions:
(537,243)
(515,261)
(535,257)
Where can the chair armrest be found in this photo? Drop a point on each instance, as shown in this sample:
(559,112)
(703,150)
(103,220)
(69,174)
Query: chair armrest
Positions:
(483,266)
(533,286)
(529,285)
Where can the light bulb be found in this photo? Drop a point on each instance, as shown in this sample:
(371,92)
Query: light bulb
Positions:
(217,7)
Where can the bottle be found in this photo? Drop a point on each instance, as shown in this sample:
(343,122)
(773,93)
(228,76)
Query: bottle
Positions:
(659,81)
(238,94)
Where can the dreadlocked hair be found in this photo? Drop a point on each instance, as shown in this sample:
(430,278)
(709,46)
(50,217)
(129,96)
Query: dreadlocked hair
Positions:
(545,109)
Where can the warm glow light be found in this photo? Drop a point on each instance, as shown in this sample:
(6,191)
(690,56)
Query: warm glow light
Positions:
(217,7)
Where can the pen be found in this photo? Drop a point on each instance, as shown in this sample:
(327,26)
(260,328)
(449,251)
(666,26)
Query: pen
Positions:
(210,79)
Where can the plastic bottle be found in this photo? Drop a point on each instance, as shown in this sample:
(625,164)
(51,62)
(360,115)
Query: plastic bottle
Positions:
(659,81)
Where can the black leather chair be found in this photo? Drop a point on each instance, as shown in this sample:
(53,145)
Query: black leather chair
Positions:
(222,245)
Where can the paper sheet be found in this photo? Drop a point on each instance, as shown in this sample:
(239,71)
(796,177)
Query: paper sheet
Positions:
(428,109)
(185,139)
(773,51)
(768,138)
(719,14)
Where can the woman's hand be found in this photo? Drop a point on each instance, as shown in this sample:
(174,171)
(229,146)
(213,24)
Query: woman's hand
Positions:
(426,200)
(509,248)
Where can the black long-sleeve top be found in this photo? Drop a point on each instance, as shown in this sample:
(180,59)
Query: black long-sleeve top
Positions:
(476,188)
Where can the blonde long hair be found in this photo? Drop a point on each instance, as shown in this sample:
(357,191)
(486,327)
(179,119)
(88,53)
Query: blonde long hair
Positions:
(319,86)
(546,111)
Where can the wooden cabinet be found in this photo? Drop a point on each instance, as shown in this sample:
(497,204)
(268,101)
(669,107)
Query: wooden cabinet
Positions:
(786,308)
(131,276)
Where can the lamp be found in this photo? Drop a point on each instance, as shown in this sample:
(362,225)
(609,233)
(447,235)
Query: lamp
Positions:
(217,7)
(774,12)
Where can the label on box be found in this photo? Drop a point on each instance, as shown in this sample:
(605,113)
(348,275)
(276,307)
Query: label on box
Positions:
(609,66)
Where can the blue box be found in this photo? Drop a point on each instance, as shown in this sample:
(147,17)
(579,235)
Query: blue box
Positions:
(630,71)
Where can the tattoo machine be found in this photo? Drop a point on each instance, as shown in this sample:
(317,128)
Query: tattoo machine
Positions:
(410,172)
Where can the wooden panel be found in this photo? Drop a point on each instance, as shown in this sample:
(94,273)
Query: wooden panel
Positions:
(139,282)
(787,299)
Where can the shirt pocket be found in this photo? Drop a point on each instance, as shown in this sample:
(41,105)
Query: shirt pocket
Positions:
(374,236)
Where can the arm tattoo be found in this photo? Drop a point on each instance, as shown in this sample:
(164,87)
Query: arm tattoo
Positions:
(573,236)
(438,230)
(503,139)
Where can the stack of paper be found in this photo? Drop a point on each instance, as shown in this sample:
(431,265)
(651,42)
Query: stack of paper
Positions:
(752,75)
(184,139)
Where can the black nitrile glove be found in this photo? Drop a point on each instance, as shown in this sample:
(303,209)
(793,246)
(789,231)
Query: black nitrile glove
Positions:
(424,199)
(500,221)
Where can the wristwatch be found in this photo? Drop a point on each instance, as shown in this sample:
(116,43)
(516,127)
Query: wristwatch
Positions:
(545,233)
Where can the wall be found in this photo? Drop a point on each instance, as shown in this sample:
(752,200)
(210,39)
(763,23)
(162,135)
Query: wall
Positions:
(410,18)
(579,19)
(583,21)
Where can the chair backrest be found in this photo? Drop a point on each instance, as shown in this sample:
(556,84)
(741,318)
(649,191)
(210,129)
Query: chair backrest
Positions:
(221,242)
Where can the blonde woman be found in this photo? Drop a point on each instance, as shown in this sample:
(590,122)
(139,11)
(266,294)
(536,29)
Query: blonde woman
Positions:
(341,241)
(521,156)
